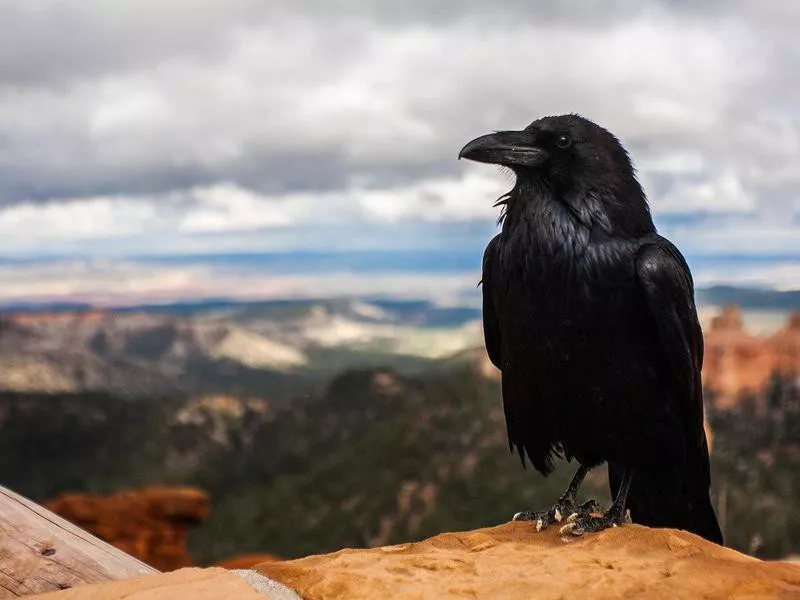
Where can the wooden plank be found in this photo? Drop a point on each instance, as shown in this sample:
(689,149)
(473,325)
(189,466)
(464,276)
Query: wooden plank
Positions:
(41,552)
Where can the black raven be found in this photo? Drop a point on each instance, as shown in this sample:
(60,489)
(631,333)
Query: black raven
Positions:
(590,316)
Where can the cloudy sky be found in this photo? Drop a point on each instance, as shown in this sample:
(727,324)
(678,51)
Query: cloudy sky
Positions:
(136,131)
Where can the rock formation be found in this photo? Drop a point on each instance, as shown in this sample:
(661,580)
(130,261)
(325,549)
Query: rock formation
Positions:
(151,524)
(512,561)
(737,362)
(509,562)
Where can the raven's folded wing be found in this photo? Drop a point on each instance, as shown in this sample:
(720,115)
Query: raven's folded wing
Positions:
(666,283)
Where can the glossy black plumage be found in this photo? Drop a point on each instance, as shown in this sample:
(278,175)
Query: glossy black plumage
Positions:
(590,316)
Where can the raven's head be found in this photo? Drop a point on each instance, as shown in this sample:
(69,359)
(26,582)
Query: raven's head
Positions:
(577,159)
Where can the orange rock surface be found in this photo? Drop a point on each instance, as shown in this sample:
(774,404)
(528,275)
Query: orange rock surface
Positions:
(738,362)
(512,561)
(245,561)
(151,523)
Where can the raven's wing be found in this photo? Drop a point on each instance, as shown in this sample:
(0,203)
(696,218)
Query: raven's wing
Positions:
(678,497)
(666,282)
(491,327)
(516,413)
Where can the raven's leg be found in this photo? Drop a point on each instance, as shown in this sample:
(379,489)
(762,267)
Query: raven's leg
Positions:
(565,507)
(616,515)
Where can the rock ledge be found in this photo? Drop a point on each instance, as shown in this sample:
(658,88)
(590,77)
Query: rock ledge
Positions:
(512,561)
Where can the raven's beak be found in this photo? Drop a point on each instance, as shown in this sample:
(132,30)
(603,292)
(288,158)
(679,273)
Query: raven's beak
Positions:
(508,148)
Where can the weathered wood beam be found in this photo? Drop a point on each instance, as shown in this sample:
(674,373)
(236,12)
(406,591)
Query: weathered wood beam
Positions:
(41,552)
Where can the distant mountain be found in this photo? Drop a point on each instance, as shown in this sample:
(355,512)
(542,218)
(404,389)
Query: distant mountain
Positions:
(268,348)
(257,348)
(420,312)
(140,355)
(749,298)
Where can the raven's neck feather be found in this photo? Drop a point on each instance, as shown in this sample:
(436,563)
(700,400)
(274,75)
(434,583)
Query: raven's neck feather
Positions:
(575,217)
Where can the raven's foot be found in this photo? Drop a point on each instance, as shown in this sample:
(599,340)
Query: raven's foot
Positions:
(587,522)
(564,509)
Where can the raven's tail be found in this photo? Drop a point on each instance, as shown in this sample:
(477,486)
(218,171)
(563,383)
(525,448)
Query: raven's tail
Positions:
(669,498)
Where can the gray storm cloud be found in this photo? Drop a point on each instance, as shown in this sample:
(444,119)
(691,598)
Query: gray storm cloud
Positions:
(148,100)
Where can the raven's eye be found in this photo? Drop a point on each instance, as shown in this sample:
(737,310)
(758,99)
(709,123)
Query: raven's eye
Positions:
(563,141)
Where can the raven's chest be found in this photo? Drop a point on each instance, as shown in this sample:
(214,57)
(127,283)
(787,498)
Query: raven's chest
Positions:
(558,286)
(561,261)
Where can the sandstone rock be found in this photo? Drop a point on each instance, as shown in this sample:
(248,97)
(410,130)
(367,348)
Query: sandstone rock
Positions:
(151,524)
(512,561)
(737,362)
(786,346)
(730,319)
(246,561)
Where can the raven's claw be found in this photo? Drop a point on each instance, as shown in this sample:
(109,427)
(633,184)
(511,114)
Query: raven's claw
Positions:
(587,522)
(565,508)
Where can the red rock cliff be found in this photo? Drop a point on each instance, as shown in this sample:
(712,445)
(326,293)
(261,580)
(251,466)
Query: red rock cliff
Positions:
(151,524)
(738,362)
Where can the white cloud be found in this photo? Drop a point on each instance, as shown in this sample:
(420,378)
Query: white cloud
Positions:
(89,218)
(288,106)
(202,125)
(723,193)
(227,207)
(737,235)
(443,199)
